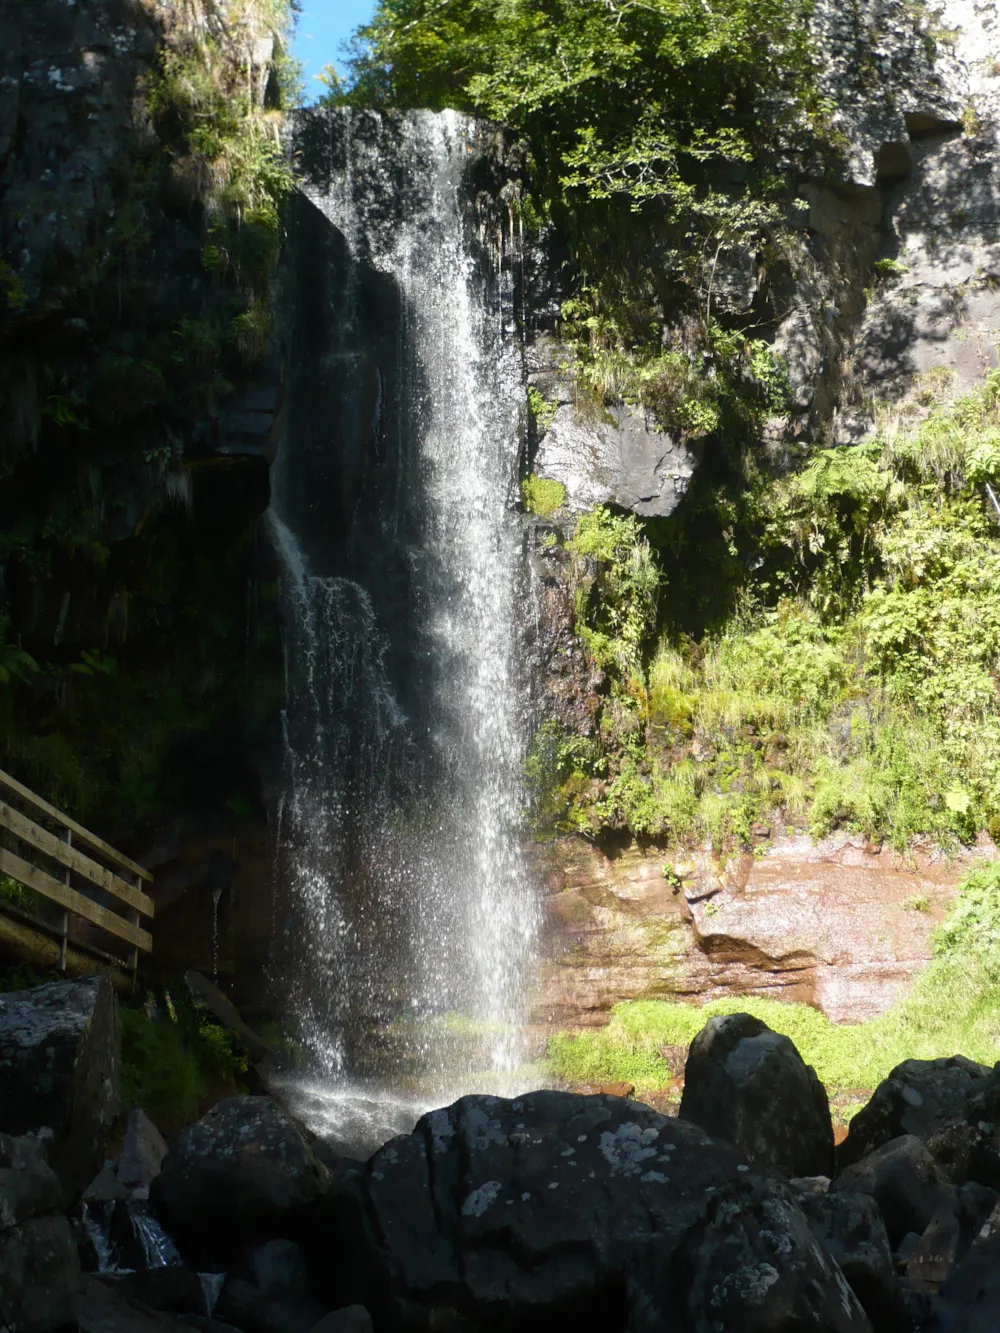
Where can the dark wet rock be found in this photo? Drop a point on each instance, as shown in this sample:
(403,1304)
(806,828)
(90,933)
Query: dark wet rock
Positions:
(738,1071)
(39,1272)
(243,1169)
(905,1182)
(561,1210)
(142,1153)
(256,1311)
(173,1290)
(850,1228)
(753,1265)
(60,1057)
(28,1185)
(100,1308)
(351,1319)
(919,1097)
(938,1249)
(970,1298)
(278,1268)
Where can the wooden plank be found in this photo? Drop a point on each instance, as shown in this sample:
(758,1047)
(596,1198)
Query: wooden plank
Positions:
(84,835)
(67,855)
(49,887)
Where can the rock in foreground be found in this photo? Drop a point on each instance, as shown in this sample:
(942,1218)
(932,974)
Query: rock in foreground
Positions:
(60,1071)
(244,1169)
(541,1212)
(748,1085)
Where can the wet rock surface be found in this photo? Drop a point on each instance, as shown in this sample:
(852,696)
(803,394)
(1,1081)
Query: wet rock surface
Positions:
(556,1206)
(837,924)
(737,1071)
(244,1168)
(60,1071)
(548,1211)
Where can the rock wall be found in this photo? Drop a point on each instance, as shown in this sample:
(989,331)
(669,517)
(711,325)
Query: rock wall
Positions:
(888,299)
(836,924)
(137,425)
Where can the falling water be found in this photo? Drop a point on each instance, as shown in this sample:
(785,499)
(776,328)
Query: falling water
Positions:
(410,912)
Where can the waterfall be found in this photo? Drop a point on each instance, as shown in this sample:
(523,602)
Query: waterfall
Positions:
(409,916)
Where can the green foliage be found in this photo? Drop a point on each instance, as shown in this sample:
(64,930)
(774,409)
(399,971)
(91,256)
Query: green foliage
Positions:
(541,410)
(171,1062)
(542,496)
(853,684)
(652,130)
(617,582)
(953,1006)
(15,663)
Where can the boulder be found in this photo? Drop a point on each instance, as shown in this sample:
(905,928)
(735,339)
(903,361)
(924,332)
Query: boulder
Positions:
(970,1298)
(753,1265)
(28,1185)
(558,1210)
(851,1230)
(243,1169)
(39,1273)
(904,1181)
(60,1071)
(351,1319)
(278,1269)
(142,1153)
(919,1097)
(249,1308)
(738,1071)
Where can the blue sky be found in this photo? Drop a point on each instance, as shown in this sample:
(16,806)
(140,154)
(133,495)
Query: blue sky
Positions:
(323,25)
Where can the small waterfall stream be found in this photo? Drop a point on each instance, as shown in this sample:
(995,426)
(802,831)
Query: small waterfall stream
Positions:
(409,916)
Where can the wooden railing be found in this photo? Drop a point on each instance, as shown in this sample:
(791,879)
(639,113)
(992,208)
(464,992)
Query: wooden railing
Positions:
(100,872)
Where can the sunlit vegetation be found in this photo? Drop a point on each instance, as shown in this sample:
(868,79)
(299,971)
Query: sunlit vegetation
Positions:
(852,681)
(954,1006)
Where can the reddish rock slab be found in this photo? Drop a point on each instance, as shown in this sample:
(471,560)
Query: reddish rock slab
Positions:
(837,924)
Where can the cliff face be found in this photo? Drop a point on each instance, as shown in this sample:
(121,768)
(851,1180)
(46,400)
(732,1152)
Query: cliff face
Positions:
(884,307)
(139,186)
(888,296)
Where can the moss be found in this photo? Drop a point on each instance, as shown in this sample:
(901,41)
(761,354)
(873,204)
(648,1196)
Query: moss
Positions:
(171,1062)
(542,496)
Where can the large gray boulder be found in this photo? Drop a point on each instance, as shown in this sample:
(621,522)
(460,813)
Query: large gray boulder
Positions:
(28,1185)
(60,1071)
(748,1085)
(142,1153)
(241,1170)
(753,1265)
(39,1265)
(551,1210)
(919,1097)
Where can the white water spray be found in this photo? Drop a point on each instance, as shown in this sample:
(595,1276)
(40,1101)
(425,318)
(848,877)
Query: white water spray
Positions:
(400,844)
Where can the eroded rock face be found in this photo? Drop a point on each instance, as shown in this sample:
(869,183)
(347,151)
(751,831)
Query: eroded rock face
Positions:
(60,1056)
(835,924)
(243,1168)
(603,455)
(738,1071)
